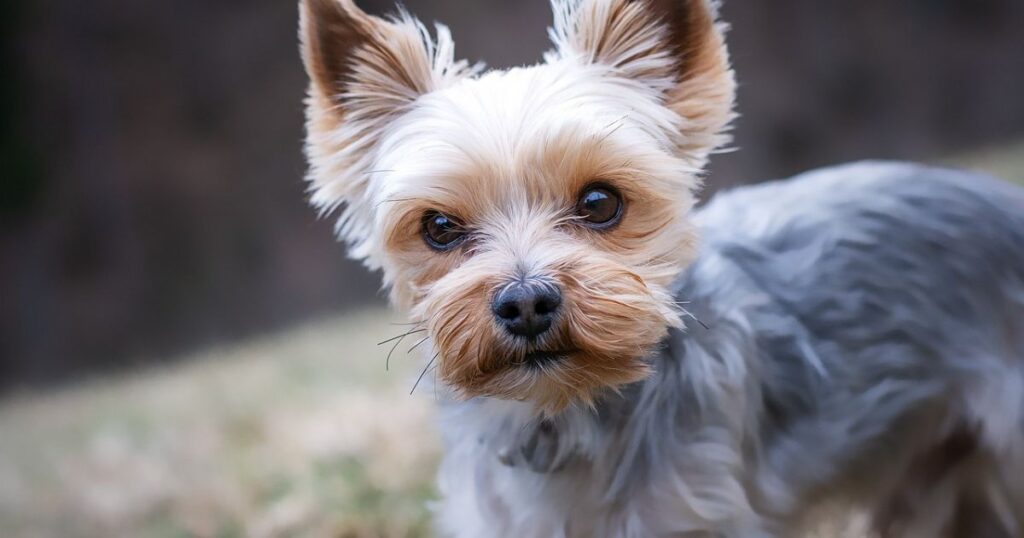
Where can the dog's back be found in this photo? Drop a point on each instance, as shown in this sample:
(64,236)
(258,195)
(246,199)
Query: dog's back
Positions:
(886,303)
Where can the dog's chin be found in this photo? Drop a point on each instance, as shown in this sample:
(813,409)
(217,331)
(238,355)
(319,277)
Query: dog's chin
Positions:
(554,379)
(541,359)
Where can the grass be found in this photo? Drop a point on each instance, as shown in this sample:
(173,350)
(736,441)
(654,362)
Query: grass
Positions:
(303,433)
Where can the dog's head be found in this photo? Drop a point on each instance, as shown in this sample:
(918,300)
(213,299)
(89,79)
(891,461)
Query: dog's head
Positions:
(531,219)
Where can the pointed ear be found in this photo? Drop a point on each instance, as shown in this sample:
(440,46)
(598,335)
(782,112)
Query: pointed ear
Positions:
(364,73)
(355,60)
(675,46)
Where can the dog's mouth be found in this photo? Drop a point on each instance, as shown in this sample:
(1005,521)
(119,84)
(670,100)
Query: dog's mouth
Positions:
(543,357)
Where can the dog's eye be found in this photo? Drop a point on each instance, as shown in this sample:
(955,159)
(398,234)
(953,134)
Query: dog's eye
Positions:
(442,232)
(599,206)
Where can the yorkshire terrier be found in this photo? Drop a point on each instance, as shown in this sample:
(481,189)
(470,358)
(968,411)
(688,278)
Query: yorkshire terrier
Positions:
(614,362)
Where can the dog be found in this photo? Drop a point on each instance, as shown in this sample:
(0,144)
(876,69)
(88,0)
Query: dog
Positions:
(613,361)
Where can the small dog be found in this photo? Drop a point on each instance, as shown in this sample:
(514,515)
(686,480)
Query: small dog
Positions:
(852,336)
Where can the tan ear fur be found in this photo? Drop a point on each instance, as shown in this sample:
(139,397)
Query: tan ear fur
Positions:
(675,46)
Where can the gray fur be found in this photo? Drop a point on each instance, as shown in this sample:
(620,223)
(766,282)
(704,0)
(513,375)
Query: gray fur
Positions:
(858,318)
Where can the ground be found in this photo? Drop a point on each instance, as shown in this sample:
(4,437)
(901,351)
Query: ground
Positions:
(283,436)
(304,433)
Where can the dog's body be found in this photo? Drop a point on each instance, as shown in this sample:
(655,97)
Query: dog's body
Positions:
(853,336)
(864,343)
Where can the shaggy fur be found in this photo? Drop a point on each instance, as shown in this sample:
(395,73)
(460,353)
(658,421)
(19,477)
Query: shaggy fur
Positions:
(864,343)
(861,329)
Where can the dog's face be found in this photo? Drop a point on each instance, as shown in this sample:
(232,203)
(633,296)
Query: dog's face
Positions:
(533,219)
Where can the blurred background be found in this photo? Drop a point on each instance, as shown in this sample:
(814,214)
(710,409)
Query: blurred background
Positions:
(185,350)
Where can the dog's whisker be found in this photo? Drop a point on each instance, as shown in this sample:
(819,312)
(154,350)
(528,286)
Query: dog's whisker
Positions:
(618,120)
(414,346)
(398,340)
(399,337)
(610,133)
(425,368)
(387,360)
(690,315)
(393,200)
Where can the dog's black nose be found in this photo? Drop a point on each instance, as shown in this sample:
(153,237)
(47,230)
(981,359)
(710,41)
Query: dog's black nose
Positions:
(527,308)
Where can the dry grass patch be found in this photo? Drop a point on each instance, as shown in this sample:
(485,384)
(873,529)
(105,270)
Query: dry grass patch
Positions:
(304,434)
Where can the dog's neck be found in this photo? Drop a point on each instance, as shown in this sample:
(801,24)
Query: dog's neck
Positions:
(578,434)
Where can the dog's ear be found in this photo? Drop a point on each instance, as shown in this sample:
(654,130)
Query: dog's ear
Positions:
(364,72)
(358,62)
(675,46)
